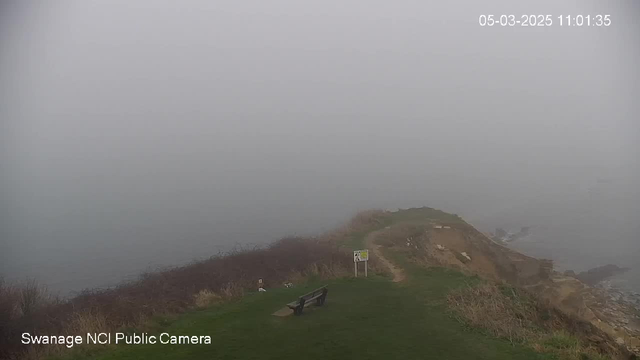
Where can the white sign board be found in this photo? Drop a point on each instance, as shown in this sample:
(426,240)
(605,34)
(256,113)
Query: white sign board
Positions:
(360,255)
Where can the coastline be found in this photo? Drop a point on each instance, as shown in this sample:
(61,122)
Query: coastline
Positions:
(619,292)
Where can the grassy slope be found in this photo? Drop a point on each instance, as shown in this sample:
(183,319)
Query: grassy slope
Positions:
(356,239)
(366,318)
(363,318)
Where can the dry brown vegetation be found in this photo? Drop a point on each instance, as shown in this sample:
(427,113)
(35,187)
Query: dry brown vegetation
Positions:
(28,308)
(520,317)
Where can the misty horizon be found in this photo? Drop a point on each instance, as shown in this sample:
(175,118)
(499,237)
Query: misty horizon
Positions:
(147,134)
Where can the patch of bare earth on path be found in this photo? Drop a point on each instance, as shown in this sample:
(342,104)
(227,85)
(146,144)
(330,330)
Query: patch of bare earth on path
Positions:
(398,274)
(285,311)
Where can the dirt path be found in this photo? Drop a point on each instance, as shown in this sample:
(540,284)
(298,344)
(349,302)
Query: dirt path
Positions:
(398,274)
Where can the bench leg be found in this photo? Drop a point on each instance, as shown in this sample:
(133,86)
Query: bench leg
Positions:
(299,308)
(320,300)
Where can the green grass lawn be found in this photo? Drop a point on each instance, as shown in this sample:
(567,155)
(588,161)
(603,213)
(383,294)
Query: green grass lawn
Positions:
(363,318)
(355,240)
(425,213)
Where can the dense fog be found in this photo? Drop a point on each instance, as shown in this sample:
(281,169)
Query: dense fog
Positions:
(137,134)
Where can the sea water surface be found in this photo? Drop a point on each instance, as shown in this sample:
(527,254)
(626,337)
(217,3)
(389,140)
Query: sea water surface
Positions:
(580,228)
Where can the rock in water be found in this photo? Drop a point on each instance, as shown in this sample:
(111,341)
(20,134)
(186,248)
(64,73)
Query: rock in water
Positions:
(596,275)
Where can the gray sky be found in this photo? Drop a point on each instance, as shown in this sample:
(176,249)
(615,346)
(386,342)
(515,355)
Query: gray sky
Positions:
(166,127)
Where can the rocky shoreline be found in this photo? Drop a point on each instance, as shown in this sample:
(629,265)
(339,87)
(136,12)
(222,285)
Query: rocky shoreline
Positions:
(621,309)
(620,294)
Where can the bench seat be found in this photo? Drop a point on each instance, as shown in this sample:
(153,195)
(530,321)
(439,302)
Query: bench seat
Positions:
(319,295)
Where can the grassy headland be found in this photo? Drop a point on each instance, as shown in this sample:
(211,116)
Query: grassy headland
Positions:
(372,318)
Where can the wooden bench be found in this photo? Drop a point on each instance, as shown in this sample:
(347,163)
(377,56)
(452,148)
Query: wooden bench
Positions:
(319,295)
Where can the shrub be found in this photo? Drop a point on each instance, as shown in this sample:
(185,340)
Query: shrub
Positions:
(562,340)
(206,298)
(518,316)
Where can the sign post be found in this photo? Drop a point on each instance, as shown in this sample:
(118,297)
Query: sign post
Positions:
(361,256)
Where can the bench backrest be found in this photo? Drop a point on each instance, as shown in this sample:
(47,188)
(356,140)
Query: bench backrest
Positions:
(313,293)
